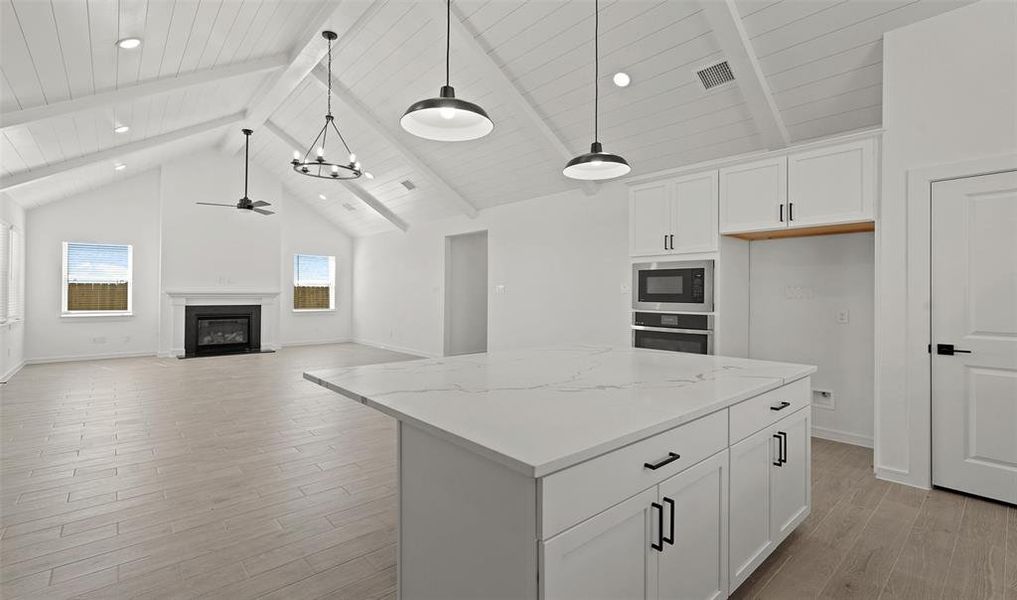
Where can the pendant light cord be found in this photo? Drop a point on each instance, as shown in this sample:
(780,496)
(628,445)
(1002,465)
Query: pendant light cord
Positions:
(596,68)
(448,37)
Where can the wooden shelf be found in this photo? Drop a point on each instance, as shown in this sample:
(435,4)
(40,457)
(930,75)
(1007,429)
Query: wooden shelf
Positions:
(806,231)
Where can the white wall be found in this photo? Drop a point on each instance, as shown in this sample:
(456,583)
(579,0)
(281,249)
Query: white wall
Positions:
(125,212)
(556,267)
(466,286)
(12,335)
(949,95)
(797,288)
(305,232)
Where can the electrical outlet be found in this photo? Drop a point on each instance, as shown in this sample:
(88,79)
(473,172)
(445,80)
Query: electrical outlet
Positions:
(843,316)
(823,399)
(499,289)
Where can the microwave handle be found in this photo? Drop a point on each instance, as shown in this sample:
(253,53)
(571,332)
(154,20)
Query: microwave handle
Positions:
(708,332)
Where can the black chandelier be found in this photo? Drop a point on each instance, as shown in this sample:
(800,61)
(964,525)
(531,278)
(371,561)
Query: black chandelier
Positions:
(319,166)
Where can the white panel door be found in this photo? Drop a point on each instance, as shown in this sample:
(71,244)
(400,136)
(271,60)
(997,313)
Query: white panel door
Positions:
(832,185)
(650,219)
(790,492)
(695,213)
(753,196)
(693,566)
(607,557)
(974,308)
(751,539)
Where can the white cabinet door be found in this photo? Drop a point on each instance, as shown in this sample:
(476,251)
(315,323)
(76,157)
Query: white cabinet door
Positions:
(832,185)
(606,557)
(751,539)
(650,219)
(790,489)
(753,196)
(694,565)
(695,213)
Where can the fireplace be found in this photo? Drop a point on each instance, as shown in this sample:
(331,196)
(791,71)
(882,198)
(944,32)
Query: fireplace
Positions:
(222,329)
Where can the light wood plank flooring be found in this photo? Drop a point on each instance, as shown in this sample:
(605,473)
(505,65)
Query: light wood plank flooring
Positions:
(234,478)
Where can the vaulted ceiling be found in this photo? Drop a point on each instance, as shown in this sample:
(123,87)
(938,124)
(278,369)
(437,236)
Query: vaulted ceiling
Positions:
(803,68)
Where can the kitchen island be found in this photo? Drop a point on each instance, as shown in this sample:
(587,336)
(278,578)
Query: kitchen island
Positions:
(589,472)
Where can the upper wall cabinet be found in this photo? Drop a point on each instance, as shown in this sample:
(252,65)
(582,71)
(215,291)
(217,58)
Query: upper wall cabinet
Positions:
(807,190)
(677,216)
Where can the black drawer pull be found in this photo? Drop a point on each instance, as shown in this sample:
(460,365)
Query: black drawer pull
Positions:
(781,406)
(658,546)
(671,457)
(670,538)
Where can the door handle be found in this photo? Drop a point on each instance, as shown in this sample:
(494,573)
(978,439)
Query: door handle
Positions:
(783,447)
(659,547)
(671,457)
(949,350)
(670,538)
(781,213)
(781,406)
(778,462)
(790,211)
(665,241)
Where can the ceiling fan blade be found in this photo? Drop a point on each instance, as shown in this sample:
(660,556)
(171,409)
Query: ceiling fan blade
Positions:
(262,211)
(216,204)
(260,203)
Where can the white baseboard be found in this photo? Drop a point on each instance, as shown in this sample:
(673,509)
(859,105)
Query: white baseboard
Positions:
(395,348)
(81,357)
(342,340)
(835,435)
(898,476)
(12,372)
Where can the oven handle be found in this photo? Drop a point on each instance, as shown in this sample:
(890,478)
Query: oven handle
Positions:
(708,332)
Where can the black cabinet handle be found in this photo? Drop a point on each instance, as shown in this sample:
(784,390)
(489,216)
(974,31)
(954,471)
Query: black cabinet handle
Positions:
(781,213)
(659,547)
(778,462)
(790,211)
(949,350)
(670,538)
(781,406)
(783,447)
(672,241)
(671,457)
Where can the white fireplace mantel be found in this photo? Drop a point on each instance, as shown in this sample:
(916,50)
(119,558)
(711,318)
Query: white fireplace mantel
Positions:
(180,298)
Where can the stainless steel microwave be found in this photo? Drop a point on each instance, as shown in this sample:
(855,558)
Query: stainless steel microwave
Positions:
(674,286)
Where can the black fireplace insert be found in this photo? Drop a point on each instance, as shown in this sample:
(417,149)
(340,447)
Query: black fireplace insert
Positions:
(212,330)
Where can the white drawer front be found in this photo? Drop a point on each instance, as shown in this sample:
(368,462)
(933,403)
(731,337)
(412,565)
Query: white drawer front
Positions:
(577,493)
(756,413)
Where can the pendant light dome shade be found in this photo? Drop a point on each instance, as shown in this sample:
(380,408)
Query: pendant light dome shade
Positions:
(446,118)
(596,164)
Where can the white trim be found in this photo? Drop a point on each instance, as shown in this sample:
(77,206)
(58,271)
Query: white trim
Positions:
(12,372)
(326,342)
(64,312)
(394,348)
(846,437)
(219,292)
(83,357)
(91,314)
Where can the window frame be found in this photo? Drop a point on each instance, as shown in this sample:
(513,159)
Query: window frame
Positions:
(64,312)
(331,286)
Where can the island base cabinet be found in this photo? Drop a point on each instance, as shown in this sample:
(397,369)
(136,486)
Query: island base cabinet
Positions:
(770,491)
(666,543)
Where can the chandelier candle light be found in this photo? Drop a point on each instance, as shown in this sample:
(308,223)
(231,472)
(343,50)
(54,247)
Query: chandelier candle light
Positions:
(314,163)
(596,164)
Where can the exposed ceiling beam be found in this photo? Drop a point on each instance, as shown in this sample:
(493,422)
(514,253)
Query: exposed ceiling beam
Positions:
(723,17)
(335,16)
(141,90)
(354,188)
(475,52)
(116,152)
(348,103)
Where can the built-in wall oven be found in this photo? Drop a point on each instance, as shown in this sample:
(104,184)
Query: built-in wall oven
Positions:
(677,286)
(674,332)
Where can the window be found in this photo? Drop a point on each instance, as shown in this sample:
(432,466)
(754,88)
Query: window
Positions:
(313,282)
(97,279)
(12,251)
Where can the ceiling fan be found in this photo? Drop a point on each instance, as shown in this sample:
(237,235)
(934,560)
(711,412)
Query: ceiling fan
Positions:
(245,203)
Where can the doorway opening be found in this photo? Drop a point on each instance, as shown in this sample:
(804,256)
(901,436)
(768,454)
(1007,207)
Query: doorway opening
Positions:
(466,293)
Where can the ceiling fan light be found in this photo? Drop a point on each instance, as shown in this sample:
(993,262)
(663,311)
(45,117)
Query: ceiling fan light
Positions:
(596,165)
(129,43)
(446,118)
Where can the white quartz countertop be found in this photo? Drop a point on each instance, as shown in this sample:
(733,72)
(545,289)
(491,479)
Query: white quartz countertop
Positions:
(541,410)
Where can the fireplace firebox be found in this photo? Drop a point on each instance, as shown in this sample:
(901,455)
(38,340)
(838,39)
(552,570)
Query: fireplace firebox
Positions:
(216,329)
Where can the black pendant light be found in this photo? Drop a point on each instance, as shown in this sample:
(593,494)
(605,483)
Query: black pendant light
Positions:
(596,164)
(319,165)
(446,118)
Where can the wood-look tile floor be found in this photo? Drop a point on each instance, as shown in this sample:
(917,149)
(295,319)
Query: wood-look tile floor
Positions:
(233,478)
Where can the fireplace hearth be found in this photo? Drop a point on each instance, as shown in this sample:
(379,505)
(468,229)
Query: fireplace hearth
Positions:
(222,329)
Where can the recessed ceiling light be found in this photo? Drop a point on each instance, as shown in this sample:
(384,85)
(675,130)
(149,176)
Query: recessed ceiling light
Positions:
(622,79)
(129,43)
(121,129)
(120,166)
(322,196)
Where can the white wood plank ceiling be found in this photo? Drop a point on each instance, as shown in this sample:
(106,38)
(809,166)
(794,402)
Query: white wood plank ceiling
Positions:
(820,60)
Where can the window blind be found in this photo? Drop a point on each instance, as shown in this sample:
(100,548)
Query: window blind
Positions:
(5,272)
(313,282)
(15,300)
(97,277)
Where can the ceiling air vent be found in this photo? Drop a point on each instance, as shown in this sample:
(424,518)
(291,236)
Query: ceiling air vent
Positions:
(408,184)
(349,206)
(715,75)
